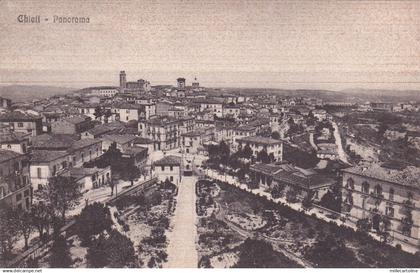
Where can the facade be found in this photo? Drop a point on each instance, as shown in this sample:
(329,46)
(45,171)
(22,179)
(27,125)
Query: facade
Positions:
(45,164)
(164,131)
(290,178)
(89,178)
(257,144)
(128,111)
(386,199)
(104,91)
(5,103)
(15,186)
(22,123)
(85,150)
(170,168)
(230,111)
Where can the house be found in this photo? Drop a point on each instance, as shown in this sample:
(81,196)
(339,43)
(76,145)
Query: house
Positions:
(231,111)
(145,143)
(215,106)
(386,199)
(170,168)
(15,186)
(46,164)
(89,178)
(22,122)
(164,131)
(257,144)
(122,141)
(135,155)
(72,125)
(128,111)
(14,141)
(84,150)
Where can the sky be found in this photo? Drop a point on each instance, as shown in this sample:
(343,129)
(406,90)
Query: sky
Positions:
(224,43)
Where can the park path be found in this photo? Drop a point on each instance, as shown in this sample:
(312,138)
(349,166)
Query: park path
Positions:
(182,250)
(340,150)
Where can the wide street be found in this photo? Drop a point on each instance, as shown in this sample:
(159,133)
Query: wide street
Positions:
(182,239)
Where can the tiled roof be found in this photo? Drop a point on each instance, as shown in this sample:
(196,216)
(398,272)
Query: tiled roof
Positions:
(170,160)
(40,156)
(76,119)
(84,143)
(58,141)
(18,116)
(410,176)
(143,140)
(6,155)
(12,137)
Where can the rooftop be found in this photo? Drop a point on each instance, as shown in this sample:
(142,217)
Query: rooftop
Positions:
(18,116)
(6,155)
(406,177)
(42,156)
(170,160)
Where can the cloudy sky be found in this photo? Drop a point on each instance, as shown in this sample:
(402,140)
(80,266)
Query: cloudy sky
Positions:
(259,43)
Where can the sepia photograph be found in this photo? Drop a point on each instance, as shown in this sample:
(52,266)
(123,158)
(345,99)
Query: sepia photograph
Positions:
(196,134)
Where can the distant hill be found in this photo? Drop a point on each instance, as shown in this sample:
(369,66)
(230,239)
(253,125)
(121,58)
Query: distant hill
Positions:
(349,95)
(21,93)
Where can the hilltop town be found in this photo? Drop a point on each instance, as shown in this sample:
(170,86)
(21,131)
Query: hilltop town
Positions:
(143,175)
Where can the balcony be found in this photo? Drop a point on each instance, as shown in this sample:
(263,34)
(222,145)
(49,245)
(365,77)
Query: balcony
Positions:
(409,204)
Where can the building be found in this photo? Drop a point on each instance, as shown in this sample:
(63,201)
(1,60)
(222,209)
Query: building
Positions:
(170,168)
(181,83)
(193,141)
(231,111)
(84,150)
(13,141)
(72,125)
(164,131)
(257,144)
(129,111)
(5,103)
(122,141)
(15,186)
(320,114)
(215,106)
(385,199)
(133,87)
(103,91)
(89,178)
(291,178)
(46,164)
(22,123)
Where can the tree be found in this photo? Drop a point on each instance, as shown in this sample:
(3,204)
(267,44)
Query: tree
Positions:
(291,195)
(307,201)
(115,251)
(99,112)
(24,224)
(277,191)
(275,135)
(331,252)
(94,219)
(131,173)
(263,157)
(247,152)
(62,194)
(260,254)
(60,254)
(8,231)
(41,215)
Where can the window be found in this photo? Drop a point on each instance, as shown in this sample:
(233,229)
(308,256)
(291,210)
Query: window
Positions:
(20,124)
(389,211)
(365,187)
(2,192)
(18,197)
(26,193)
(163,168)
(54,170)
(28,203)
(171,178)
(350,183)
(39,175)
(391,194)
(378,190)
